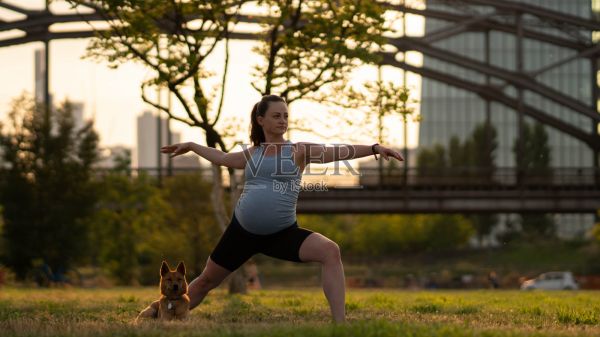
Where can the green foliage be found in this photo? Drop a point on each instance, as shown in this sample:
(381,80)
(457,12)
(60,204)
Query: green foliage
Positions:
(172,39)
(467,162)
(383,235)
(474,157)
(596,232)
(131,216)
(537,226)
(481,147)
(123,162)
(191,227)
(55,211)
(138,224)
(314,43)
(431,162)
(46,186)
(138,26)
(536,156)
(534,168)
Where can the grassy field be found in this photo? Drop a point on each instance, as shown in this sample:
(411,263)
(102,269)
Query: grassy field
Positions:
(304,312)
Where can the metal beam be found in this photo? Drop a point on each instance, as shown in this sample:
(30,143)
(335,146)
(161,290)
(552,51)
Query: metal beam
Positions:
(15,8)
(491,93)
(540,12)
(446,32)
(493,25)
(49,19)
(590,53)
(520,102)
(50,35)
(515,78)
(479,25)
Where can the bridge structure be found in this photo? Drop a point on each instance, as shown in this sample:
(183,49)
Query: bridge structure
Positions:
(561,190)
(572,190)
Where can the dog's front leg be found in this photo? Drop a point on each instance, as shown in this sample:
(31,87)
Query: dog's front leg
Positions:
(183,311)
(150,312)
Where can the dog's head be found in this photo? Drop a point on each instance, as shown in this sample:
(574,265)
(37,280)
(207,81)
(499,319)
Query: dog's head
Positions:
(173,282)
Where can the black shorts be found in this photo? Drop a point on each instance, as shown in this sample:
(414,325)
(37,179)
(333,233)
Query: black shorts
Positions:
(237,245)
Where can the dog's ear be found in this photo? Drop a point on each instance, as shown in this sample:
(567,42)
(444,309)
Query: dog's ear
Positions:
(164,269)
(181,267)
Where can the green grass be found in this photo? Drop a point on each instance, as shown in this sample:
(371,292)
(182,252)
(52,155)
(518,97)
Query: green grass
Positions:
(304,312)
(510,262)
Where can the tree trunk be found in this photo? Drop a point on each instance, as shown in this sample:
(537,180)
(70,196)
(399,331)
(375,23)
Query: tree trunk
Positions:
(237,281)
(216,198)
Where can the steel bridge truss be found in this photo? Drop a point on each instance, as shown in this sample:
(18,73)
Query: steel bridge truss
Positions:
(521,20)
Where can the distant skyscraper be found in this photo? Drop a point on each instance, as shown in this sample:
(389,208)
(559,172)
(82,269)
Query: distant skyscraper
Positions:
(40,78)
(40,89)
(77,114)
(148,148)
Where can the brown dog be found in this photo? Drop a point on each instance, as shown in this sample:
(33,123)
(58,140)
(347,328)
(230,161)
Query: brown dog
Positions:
(174,302)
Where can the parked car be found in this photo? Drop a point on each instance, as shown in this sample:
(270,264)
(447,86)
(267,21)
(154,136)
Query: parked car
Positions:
(556,280)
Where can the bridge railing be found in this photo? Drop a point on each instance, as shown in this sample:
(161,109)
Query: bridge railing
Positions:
(462,177)
(484,177)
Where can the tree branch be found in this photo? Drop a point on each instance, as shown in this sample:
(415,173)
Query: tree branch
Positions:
(186,106)
(163,108)
(224,81)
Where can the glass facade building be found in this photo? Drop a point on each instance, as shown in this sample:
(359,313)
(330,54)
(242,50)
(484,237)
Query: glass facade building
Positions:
(449,111)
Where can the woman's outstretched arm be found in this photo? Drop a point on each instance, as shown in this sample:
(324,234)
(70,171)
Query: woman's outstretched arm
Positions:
(319,153)
(233,160)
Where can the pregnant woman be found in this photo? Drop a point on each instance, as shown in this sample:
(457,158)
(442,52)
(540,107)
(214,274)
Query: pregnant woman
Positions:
(264,219)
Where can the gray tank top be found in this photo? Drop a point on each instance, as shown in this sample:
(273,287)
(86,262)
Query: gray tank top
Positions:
(272,183)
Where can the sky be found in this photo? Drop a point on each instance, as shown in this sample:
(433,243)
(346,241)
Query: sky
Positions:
(112,96)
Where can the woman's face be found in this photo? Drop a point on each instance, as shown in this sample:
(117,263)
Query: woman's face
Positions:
(275,120)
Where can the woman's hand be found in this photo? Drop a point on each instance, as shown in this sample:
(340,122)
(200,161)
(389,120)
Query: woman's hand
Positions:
(176,149)
(386,152)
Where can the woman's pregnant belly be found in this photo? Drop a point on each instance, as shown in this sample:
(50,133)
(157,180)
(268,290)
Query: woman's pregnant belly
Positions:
(267,206)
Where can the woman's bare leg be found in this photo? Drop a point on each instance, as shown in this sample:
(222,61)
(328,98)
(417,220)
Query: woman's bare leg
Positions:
(318,248)
(211,277)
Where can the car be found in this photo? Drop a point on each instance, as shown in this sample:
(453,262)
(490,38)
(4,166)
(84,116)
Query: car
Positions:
(556,280)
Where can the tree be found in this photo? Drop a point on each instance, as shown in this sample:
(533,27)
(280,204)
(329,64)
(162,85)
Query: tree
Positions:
(596,228)
(152,224)
(482,150)
(380,235)
(311,48)
(534,168)
(129,229)
(192,216)
(173,39)
(46,186)
(311,44)
(431,163)
(480,153)
(308,44)
(472,159)
(390,99)
(536,156)
(122,162)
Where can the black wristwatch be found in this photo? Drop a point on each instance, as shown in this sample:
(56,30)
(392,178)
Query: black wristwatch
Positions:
(373,149)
